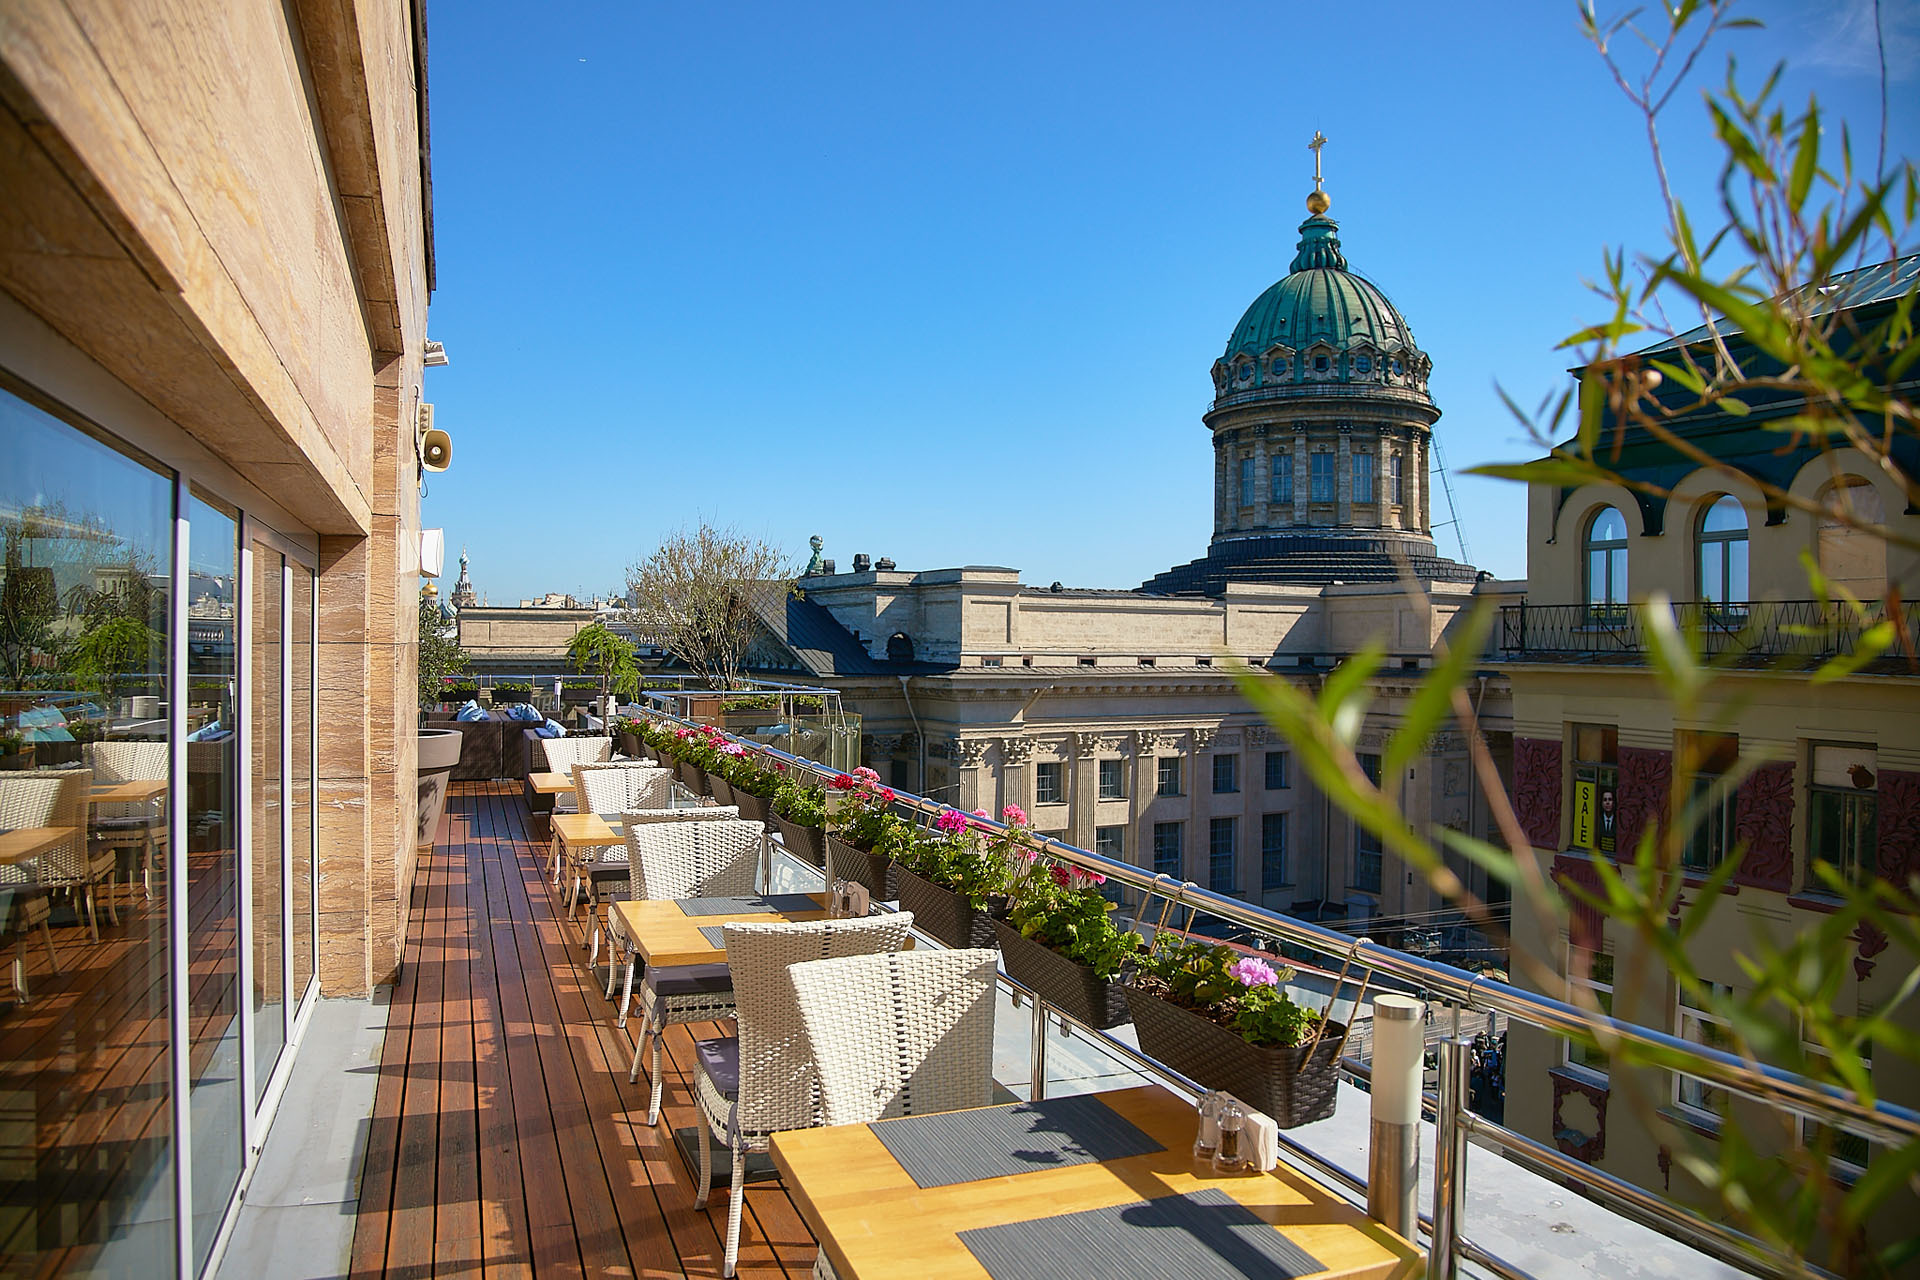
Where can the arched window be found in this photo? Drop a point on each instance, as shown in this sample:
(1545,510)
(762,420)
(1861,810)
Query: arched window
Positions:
(899,647)
(1850,557)
(1606,550)
(1723,554)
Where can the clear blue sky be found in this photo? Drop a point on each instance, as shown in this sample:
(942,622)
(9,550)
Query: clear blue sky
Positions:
(945,284)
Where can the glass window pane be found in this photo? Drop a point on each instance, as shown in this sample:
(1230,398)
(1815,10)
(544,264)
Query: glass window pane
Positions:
(1737,571)
(267,655)
(1596,577)
(1724,515)
(86,574)
(213,864)
(1713,584)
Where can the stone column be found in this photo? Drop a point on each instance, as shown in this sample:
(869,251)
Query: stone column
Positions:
(1083,794)
(1221,455)
(1302,474)
(1343,479)
(1260,484)
(1414,469)
(1382,497)
(1200,789)
(1146,769)
(967,756)
(1016,775)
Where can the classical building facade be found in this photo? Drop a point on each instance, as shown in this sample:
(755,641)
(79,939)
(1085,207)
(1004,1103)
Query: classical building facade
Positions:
(1834,766)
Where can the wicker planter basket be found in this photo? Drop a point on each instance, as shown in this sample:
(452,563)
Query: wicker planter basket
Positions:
(1279,1082)
(943,914)
(722,789)
(1060,981)
(874,870)
(752,807)
(809,844)
(630,746)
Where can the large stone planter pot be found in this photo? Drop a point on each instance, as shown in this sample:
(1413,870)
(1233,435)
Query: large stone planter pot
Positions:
(809,844)
(942,914)
(439,752)
(1280,1082)
(1065,983)
(874,870)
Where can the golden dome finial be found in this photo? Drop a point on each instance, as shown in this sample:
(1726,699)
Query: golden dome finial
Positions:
(1318,201)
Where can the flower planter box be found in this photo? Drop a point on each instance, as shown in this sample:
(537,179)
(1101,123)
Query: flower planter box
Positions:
(874,870)
(1068,984)
(809,844)
(630,746)
(752,807)
(1280,1082)
(943,914)
(722,789)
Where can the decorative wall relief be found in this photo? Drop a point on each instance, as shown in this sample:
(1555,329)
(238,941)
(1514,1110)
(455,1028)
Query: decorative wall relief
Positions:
(1576,1142)
(1763,823)
(1536,789)
(1646,779)
(1898,806)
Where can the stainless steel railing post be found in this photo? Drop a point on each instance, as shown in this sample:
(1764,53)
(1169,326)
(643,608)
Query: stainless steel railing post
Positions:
(1450,1159)
(1037,1089)
(1393,1139)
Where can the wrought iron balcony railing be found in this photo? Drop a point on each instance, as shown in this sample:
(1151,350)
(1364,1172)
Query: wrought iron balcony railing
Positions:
(1766,630)
(1467,993)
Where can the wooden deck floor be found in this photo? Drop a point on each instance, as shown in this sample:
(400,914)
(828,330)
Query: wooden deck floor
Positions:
(505,1137)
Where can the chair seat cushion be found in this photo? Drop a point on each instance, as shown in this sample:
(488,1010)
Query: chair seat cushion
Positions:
(720,1060)
(690,979)
(127,824)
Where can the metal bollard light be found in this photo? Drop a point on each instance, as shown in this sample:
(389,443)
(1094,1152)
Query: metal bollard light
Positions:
(1450,1158)
(1393,1141)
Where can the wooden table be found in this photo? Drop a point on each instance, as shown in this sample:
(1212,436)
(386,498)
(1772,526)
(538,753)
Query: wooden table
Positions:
(874,1221)
(666,935)
(23,843)
(127,792)
(550,784)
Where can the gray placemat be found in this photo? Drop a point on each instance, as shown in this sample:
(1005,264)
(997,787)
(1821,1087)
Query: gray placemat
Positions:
(1202,1236)
(747,905)
(996,1142)
(716,934)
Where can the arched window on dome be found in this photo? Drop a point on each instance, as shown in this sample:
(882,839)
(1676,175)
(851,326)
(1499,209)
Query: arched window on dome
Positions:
(1851,557)
(1606,563)
(1722,557)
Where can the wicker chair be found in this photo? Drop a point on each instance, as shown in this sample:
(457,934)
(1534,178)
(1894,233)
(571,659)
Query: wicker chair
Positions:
(686,860)
(139,824)
(764,1081)
(612,788)
(903,1034)
(56,798)
(564,753)
(620,948)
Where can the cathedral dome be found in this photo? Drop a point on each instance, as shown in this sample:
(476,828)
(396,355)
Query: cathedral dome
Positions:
(1321,323)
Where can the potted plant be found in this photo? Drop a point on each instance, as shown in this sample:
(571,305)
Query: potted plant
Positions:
(1059,937)
(800,815)
(1224,1020)
(950,882)
(512,691)
(754,782)
(459,691)
(15,752)
(611,657)
(860,824)
(627,733)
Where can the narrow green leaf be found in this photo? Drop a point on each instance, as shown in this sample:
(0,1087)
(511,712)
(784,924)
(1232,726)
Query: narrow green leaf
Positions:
(1806,160)
(1872,642)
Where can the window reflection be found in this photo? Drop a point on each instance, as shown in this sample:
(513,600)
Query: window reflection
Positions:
(86,1163)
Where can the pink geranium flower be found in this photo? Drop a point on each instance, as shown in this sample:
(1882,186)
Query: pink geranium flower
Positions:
(866,775)
(1014,814)
(1250,972)
(951,821)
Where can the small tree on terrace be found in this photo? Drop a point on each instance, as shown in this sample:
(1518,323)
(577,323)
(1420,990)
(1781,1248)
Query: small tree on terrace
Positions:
(597,651)
(440,654)
(699,592)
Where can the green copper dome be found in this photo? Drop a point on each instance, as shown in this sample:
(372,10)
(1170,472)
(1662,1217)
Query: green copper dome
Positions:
(1320,300)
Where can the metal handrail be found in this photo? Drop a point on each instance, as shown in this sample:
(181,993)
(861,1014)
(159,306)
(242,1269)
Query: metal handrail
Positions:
(1884,1122)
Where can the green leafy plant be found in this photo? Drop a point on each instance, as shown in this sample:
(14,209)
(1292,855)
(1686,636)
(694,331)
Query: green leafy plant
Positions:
(610,657)
(951,854)
(1064,911)
(11,744)
(801,803)
(440,658)
(512,691)
(1242,993)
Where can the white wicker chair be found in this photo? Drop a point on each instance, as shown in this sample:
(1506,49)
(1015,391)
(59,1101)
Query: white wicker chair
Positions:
(620,948)
(902,1034)
(686,860)
(56,798)
(612,788)
(564,753)
(139,824)
(764,1081)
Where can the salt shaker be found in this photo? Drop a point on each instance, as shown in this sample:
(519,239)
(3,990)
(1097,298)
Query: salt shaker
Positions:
(1207,1141)
(1232,1155)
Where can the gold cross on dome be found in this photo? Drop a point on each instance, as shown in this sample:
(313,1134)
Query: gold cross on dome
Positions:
(1319,141)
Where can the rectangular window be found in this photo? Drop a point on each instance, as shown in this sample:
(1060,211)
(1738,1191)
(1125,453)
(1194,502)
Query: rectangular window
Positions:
(1842,826)
(1363,477)
(1113,780)
(1276,771)
(1712,838)
(1322,477)
(1851,1152)
(1273,850)
(1110,842)
(1246,482)
(1366,844)
(1694,1021)
(1394,491)
(1226,775)
(1596,775)
(1049,782)
(1167,854)
(1597,980)
(1169,775)
(1221,837)
(1281,485)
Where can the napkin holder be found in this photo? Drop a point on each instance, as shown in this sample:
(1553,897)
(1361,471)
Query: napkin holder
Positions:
(1260,1133)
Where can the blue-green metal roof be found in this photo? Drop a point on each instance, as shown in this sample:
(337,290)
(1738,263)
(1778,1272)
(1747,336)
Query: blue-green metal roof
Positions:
(1320,299)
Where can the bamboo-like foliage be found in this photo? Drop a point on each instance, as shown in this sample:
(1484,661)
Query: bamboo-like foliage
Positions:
(701,591)
(598,651)
(440,653)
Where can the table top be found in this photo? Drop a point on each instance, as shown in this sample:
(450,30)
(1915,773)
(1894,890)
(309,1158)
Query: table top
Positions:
(127,792)
(666,935)
(550,784)
(23,843)
(587,830)
(858,1200)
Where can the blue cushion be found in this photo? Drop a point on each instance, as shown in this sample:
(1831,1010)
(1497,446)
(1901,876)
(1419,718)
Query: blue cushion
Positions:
(524,712)
(470,713)
(720,1059)
(551,729)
